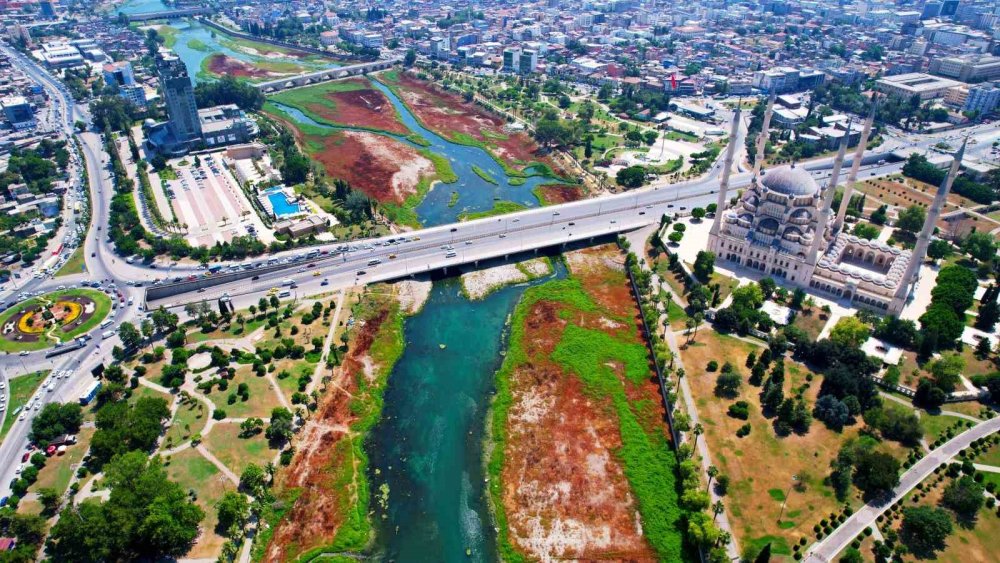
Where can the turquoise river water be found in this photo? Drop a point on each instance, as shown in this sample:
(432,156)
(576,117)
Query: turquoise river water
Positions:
(428,447)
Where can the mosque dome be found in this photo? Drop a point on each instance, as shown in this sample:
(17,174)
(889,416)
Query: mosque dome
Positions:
(792,181)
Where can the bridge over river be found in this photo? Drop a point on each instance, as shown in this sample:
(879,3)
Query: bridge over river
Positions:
(315,77)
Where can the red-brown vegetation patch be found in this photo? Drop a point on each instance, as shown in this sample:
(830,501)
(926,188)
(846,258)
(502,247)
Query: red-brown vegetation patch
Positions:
(553,194)
(450,116)
(364,107)
(564,490)
(565,493)
(224,65)
(384,168)
(321,447)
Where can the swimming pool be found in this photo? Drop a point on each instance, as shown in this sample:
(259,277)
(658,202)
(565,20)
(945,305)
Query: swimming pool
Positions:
(281,205)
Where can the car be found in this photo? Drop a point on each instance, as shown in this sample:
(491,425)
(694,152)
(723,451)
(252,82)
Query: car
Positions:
(23,353)
(255,278)
(391,257)
(317,274)
(325,282)
(362,272)
(273,290)
(25,457)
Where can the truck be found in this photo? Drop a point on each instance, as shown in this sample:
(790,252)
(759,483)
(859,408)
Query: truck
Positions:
(89,393)
(284,294)
(107,334)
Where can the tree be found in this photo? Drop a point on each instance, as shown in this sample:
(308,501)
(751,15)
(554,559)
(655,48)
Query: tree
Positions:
(965,496)
(409,58)
(911,219)
(122,427)
(850,332)
(866,231)
(947,370)
(832,412)
(280,429)
(924,529)
(50,499)
(130,336)
(980,246)
(929,395)
(704,265)
(229,90)
(253,479)
(728,385)
(251,426)
(939,249)
(698,213)
(631,177)
(875,473)
(146,516)
(233,510)
(54,420)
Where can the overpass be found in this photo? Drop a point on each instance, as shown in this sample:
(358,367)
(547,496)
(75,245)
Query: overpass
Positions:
(315,77)
(168,14)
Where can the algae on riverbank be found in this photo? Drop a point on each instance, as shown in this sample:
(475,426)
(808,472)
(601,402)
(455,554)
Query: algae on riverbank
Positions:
(575,412)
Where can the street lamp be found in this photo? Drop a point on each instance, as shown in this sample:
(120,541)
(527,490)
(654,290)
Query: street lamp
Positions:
(785,501)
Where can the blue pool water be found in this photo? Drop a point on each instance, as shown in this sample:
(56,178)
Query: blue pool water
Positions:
(281,206)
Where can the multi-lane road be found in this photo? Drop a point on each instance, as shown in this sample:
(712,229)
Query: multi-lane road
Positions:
(423,250)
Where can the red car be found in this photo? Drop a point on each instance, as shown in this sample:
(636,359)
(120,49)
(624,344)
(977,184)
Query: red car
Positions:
(25,457)
(50,450)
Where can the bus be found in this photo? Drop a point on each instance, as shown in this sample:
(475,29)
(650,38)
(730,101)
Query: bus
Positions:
(106,323)
(214,268)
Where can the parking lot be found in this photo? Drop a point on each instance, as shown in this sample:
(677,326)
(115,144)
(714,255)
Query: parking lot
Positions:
(206,198)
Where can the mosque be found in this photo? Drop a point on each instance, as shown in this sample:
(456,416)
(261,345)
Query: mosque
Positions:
(783,226)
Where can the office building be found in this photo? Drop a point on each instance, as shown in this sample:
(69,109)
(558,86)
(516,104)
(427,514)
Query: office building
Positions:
(528,61)
(18,112)
(971,68)
(982,99)
(915,83)
(119,77)
(178,93)
(511,60)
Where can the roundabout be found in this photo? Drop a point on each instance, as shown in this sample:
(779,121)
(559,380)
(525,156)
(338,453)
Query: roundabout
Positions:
(50,319)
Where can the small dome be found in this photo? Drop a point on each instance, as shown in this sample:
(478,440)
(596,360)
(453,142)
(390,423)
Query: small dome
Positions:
(768,224)
(800,214)
(790,180)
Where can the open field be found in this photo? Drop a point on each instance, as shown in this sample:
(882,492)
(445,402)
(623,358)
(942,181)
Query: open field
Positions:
(235,452)
(59,470)
(385,168)
(577,426)
(198,476)
(262,397)
(554,194)
(190,420)
(769,475)
(349,103)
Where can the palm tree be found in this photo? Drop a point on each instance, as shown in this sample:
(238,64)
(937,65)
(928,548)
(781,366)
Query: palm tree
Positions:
(713,472)
(717,509)
(698,430)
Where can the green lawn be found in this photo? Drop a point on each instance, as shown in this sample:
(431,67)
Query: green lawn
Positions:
(262,398)
(21,389)
(74,265)
(936,425)
(499,208)
(59,470)
(101,301)
(189,420)
(197,475)
(236,453)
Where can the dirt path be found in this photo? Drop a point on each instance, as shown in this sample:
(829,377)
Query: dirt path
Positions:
(215,461)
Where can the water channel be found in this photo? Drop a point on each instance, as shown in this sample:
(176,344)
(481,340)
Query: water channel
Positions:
(428,447)
(474,193)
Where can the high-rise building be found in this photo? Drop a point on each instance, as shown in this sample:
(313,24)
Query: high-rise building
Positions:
(511,60)
(528,62)
(47,10)
(932,9)
(178,93)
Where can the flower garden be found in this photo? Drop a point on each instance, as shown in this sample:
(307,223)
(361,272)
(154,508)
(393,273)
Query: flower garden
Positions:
(56,317)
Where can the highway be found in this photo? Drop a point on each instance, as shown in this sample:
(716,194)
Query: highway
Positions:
(426,249)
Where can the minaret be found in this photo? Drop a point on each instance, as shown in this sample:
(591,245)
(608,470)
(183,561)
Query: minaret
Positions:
(831,188)
(924,239)
(762,139)
(727,166)
(852,176)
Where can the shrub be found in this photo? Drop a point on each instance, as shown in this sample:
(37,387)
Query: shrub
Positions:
(712,365)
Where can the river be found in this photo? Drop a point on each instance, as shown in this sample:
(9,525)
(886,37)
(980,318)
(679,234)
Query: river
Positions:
(474,193)
(428,447)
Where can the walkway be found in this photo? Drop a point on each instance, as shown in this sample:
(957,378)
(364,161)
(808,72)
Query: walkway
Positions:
(827,549)
(637,240)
